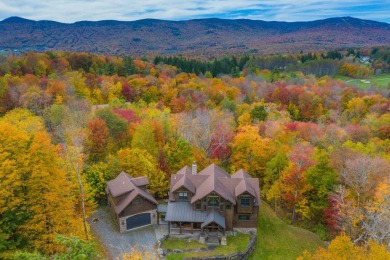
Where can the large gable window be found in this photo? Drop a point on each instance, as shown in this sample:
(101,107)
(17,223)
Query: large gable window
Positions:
(213,202)
(245,202)
(183,196)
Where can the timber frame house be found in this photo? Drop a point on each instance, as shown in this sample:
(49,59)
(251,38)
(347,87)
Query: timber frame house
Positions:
(212,200)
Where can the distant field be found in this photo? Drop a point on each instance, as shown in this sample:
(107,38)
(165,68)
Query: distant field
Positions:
(278,240)
(381,81)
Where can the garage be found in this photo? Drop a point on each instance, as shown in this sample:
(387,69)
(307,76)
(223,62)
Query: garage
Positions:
(138,221)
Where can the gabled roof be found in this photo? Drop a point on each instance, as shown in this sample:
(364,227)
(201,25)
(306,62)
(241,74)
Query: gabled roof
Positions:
(183,181)
(241,174)
(126,185)
(215,179)
(120,185)
(213,184)
(214,216)
(214,170)
(140,181)
(251,186)
(185,170)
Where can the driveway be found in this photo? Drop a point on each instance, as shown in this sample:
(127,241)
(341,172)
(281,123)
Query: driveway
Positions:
(115,243)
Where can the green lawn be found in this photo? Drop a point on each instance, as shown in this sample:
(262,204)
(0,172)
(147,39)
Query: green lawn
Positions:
(175,243)
(382,81)
(278,240)
(275,240)
(236,243)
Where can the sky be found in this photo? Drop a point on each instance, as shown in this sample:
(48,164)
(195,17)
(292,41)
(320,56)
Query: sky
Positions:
(69,11)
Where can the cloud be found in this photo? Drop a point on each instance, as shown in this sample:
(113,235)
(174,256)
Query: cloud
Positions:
(276,10)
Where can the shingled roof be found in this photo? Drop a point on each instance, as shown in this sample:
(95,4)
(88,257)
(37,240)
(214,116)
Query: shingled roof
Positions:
(214,216)
(215,179)
(128,186)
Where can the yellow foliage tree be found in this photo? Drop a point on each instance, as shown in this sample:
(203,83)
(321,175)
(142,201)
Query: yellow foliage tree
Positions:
(251,151)
(35,191)
(342,248)
(24,120)
(138,162)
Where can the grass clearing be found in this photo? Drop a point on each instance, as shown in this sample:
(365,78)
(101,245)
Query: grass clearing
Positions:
(279,240)
(175,243)
(275,240)
(381,81)
(237,243)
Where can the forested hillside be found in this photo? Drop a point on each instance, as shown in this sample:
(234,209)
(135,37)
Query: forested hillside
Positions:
(71,121)
(206,37)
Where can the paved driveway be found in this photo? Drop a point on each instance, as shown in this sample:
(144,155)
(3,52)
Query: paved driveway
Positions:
(115,243)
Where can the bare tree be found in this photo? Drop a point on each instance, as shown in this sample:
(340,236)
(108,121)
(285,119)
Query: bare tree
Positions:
(73,135)
(364,207)
(361,175)
(200,127)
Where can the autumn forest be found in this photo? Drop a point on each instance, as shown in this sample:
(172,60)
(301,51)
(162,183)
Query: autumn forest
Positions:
(70,122)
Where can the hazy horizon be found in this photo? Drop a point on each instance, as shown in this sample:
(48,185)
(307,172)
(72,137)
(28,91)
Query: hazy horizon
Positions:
(278,10)
(171,20)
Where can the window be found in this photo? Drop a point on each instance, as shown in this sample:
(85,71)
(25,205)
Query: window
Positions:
(137,201)
(221,206)
(245,202)
(245,217)
(182,196)
(228,206)
(198,205)
(213,202)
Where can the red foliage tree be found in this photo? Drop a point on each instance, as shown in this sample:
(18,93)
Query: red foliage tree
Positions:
(128,92)
(219,143)
(358,133)
(177,105)
(97,139)
(127,114)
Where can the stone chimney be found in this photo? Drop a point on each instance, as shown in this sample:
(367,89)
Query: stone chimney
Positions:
(194,170)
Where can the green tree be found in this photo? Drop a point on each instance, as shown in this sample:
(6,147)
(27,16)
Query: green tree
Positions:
(274,168)
(178,154)
(116,125)
(144,138)
(323,179)
(258,113)
(97,176)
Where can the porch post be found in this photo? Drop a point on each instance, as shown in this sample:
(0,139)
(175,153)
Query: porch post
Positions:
(180,227)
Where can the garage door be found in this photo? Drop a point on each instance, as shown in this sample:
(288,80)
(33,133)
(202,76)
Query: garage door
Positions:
(138,221)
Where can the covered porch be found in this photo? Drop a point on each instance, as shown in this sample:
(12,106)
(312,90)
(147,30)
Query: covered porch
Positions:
(182,220)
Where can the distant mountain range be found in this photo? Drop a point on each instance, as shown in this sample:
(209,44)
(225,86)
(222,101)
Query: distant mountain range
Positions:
(198,37)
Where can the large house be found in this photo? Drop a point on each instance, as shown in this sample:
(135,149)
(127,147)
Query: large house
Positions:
(212,200)
(130,203)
